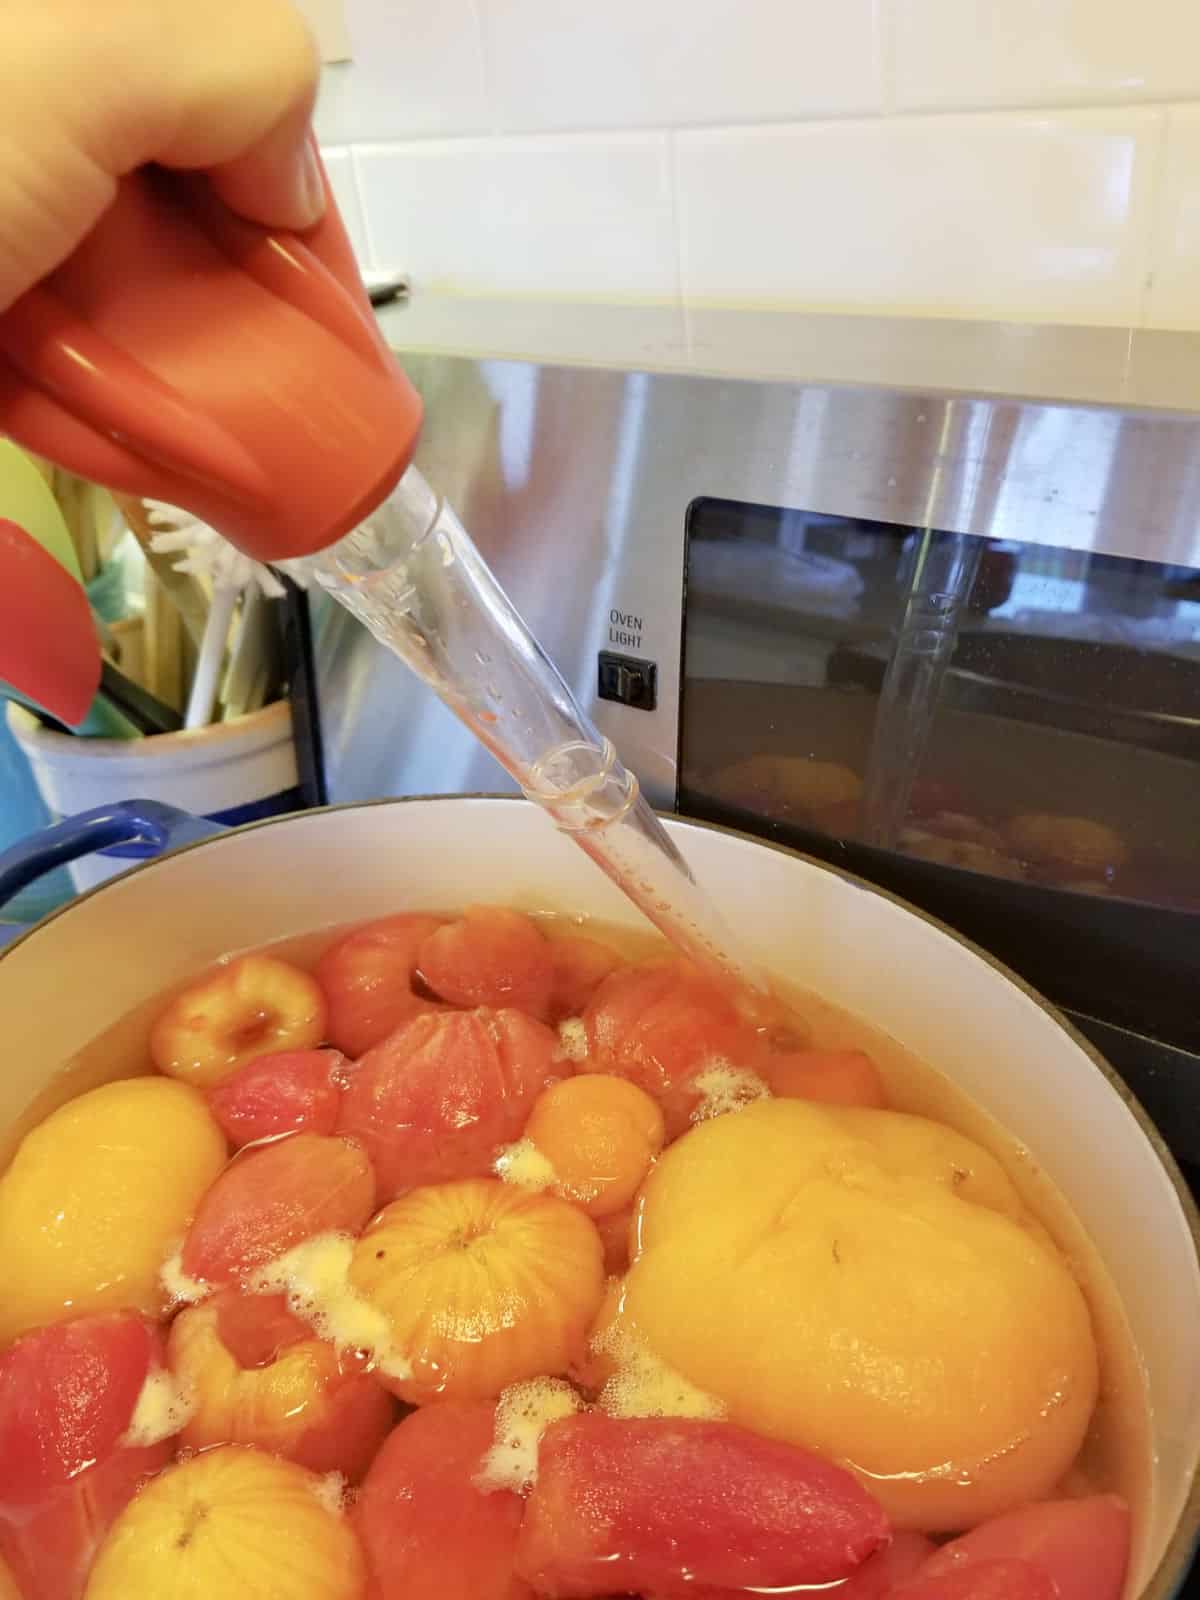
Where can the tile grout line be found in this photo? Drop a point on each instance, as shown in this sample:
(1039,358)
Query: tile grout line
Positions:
(680,252)
(373,259)
(885,21)
(889,119)
(486,69)
(1151,232)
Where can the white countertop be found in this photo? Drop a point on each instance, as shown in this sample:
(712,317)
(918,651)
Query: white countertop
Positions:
(1130,368)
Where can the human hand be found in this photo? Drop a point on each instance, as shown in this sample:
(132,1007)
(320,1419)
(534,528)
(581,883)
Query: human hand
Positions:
(91,89)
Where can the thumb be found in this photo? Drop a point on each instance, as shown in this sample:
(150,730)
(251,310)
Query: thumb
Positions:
(278,182)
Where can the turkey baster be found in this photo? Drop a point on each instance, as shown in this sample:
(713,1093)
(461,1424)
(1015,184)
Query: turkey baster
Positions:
(187,356)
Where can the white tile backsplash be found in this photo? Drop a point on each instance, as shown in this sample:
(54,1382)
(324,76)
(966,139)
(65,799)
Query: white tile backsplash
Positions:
(339,164)
(568,216)
(1173,299)
(417,71)
(972,53)
(644,63)
(1035,218)
(982,158)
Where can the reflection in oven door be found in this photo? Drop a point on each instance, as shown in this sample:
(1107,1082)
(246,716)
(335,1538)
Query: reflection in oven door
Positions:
(1051,807)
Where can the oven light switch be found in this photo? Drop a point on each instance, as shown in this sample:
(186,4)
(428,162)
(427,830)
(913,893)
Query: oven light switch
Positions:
(628,681)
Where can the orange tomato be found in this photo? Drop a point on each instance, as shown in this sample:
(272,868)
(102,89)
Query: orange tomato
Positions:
(600,1135)
(837,1077)
(253,1007)
(258,1376)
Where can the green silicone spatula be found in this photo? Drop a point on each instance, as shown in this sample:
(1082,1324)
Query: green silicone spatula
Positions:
(27,500)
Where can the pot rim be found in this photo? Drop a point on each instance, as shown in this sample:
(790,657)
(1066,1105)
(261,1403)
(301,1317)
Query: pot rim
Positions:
(1166,1580)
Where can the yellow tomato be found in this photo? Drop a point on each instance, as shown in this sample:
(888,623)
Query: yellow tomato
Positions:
(867,1285)
(231,1521)
(96,1198)
(482,1284)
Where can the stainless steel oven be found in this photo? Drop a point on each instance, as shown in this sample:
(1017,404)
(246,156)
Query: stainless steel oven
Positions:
(922,599)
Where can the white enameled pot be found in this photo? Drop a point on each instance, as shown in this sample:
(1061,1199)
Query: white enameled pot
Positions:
(85,966)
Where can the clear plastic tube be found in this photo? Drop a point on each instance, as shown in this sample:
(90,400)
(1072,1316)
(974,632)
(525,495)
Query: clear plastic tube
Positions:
(941,575)
(411,574)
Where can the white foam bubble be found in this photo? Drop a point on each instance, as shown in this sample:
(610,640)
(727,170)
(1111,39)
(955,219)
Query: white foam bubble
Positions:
(523,1413)
(644,1386)
(164,1406)
(573,1039)
(179,1288)
(524,1165)
(330,1491)
(724,1088)
(315,1277)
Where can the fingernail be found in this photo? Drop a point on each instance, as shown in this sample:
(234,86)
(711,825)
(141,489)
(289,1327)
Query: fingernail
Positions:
(311,185)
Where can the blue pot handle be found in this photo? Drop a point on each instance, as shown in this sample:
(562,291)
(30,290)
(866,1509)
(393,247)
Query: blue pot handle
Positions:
(141,828)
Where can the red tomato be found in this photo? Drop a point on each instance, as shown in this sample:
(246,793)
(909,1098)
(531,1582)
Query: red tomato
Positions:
(253,1328)
(51,1546)
(270,1199)
(614,1234)
(436,1100)
(706,1591)
(67,1396)
(67,1393)
(489,957)
(655,1504)
(659,1025)
(836,1077)
(874,1580)
(429,1533)
(297,1091)
(983,1580)
(367,980)
(1082,1545)
(580,967)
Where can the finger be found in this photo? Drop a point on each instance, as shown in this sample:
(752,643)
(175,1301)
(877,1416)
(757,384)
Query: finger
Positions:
(89,91)
(278,182)
(50,197)
(242,113)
